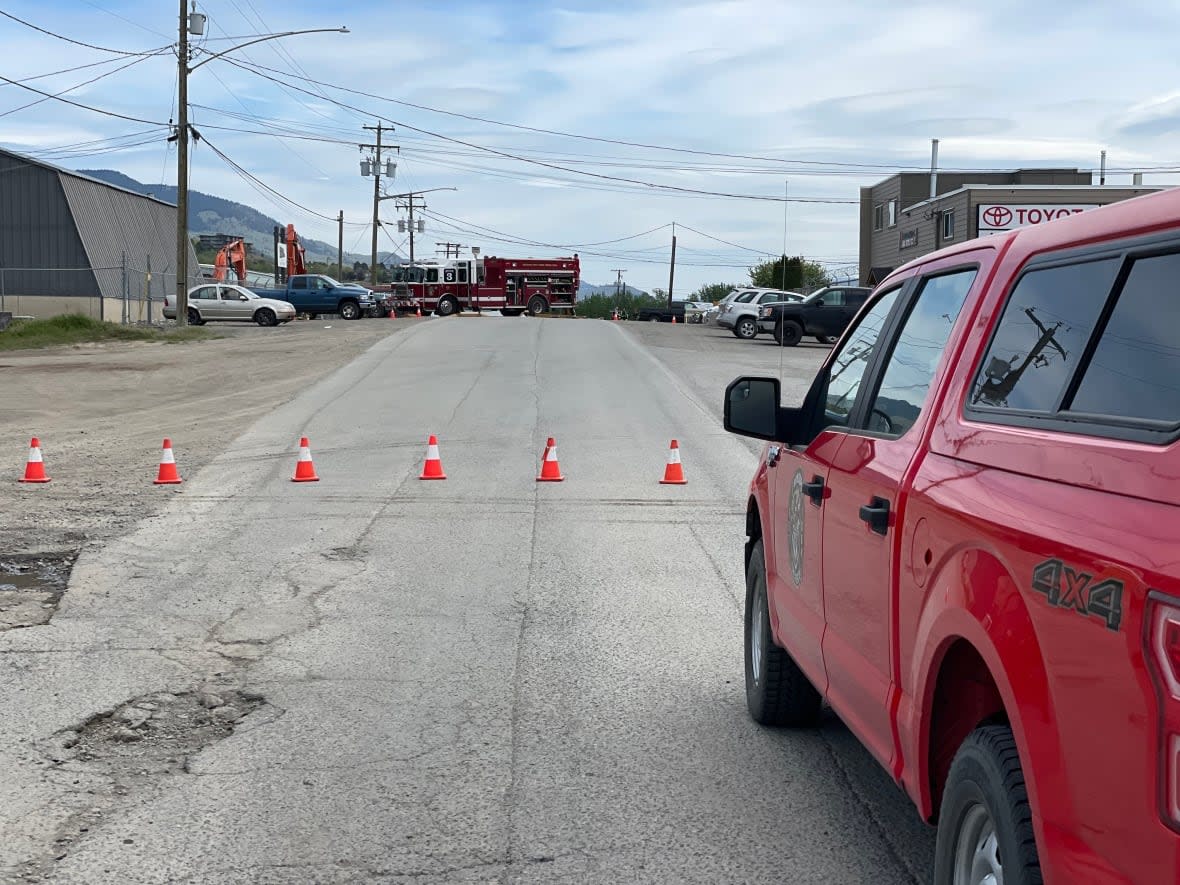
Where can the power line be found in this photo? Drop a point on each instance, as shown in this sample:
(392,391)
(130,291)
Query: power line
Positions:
(57,36)
(95,79)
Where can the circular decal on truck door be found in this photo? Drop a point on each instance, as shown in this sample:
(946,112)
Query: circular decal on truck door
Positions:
(795,518)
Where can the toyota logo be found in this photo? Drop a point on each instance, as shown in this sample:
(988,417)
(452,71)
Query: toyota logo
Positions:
(997,216)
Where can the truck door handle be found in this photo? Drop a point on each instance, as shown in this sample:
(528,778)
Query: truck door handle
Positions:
(815,490)
(876,514)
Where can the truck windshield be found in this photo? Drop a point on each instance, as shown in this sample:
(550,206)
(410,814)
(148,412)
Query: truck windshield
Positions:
(331,282)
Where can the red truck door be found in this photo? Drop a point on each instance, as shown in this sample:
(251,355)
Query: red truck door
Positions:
(886,384)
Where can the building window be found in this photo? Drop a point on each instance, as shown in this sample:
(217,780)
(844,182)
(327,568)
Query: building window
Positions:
(948,225)
(892,213)
(879,217)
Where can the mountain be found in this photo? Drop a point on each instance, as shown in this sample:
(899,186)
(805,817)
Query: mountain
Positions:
(585,290)
(208,214)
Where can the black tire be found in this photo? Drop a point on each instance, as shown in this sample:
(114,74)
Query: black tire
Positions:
(350,310)
(264,316)
(194,318)
(746,328)
(824,339)
(313,316)
(537,306)
(446,307)
(788,334)
(985,792)
(777,692)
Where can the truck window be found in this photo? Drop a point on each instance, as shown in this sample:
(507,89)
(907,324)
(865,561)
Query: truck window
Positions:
(834,298)
(911,366)
(848,366)
(1041,335)
(299,283)
(432,275)
(1135,370)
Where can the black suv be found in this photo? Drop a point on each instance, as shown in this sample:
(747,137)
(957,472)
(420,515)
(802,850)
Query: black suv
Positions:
(824,314)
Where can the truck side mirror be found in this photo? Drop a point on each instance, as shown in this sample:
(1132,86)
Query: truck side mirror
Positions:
(752,409)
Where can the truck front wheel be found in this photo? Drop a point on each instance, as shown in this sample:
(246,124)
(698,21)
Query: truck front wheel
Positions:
(788,334)
(446,307)
(985,830)
(350,310)
(777,691)
(537,306)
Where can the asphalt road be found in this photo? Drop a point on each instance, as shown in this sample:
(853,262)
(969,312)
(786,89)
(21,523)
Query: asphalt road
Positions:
(482,679)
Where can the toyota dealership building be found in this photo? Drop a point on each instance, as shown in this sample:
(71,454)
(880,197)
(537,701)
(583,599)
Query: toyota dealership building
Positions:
(899,221)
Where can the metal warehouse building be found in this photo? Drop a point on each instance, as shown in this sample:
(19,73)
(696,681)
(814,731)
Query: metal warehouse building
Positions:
(73,244)
(900,221)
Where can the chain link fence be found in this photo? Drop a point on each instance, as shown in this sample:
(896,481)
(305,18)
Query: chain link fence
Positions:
(130,294)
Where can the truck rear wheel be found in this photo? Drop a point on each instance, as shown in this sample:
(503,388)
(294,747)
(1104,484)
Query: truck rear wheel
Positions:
(350,310)
(446,307)
(777,691)
(537,306)
(985,830)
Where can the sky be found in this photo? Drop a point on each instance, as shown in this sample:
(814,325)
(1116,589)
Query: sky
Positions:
(750,125)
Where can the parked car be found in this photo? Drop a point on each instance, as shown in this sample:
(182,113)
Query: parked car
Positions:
(824,313)
(664,312)
(227,301)
(695,311)
(964,541)
(741,313)
(314,294)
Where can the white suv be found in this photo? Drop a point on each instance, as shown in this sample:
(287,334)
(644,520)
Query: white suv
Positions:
(739,312)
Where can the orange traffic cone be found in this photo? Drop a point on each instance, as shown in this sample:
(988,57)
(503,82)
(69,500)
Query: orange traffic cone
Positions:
(418,311)
(168,474)
(433,468)
(550,469)
(673,319)
(304,468)
(393,314)
(674,472)
(35,468)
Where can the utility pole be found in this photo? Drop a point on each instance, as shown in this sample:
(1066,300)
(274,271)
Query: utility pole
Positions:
(340,247)
(449,248)
(411,204)
(182,172)
(672,265)
(195,21)
(619,281)
(376,167)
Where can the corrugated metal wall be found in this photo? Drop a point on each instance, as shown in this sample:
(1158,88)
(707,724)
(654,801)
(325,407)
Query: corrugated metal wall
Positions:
(114,222)
(37,230)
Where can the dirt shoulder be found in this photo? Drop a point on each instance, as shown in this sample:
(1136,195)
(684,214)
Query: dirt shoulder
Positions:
(102,411)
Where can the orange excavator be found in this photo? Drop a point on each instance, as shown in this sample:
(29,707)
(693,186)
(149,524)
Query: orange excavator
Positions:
(230,255)
(296,263)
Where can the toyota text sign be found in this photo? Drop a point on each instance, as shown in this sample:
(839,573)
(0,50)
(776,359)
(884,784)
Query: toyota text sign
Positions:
(995,218)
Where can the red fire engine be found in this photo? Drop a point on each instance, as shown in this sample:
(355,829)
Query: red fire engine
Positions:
(511,285)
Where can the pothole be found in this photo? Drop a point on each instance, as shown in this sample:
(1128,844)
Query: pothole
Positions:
(31,586)
(128,752)
(156,734)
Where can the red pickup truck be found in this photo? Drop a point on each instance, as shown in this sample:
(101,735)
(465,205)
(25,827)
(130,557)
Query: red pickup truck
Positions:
(967,541)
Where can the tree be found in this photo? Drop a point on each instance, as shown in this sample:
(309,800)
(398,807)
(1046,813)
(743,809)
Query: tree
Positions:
(801,274)
(601,306)
(712,292)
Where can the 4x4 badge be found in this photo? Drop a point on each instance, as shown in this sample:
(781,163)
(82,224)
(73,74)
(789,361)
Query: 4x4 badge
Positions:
(1066,587)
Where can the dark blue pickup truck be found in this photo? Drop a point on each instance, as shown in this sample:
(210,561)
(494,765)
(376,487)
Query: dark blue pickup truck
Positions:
(314,294)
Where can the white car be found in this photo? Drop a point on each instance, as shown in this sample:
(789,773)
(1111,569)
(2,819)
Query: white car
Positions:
(226,301)
(739,313)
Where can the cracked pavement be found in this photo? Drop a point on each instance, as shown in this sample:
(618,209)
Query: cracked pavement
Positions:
(480,680)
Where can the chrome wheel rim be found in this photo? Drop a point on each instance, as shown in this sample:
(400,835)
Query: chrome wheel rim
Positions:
(977,850)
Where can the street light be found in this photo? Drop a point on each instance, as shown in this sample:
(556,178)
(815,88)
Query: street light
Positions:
(182,132)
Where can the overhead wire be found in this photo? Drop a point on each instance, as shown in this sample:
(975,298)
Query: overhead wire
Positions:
(58,36)
(102,76)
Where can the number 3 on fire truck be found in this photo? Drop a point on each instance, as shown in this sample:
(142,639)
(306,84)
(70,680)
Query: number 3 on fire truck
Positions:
(449,275)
